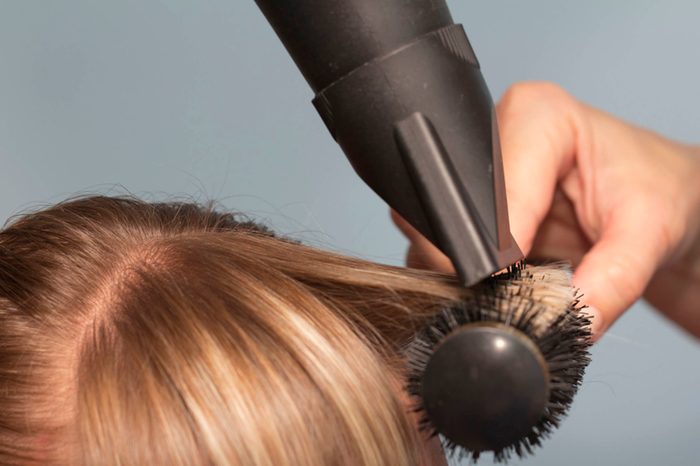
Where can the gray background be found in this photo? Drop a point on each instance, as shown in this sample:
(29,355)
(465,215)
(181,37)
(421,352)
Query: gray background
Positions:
(198,99)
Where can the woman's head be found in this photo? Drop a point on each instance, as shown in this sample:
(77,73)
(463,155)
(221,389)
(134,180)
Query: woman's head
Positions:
(136,333)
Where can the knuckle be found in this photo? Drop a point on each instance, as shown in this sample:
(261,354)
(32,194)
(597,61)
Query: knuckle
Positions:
(530,92)
(626,273)
(666,232)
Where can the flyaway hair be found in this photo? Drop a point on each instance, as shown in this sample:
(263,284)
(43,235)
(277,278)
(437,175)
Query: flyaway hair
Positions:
(137,333)
(174,334)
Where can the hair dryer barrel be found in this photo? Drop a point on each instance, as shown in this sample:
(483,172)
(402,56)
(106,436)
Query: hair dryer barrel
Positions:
(399,88)
(329,38)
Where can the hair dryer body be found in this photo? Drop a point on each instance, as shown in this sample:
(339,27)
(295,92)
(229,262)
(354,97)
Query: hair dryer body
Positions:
(400,89)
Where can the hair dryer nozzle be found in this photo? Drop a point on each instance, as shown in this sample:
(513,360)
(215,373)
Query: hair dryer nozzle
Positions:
(400,89)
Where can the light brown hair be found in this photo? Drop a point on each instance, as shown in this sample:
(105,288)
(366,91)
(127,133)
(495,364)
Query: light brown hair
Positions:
(138,333)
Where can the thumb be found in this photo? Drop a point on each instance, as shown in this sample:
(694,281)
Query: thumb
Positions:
(539,131)
(618,268)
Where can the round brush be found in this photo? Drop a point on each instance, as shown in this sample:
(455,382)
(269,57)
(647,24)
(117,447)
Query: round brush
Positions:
(497,371)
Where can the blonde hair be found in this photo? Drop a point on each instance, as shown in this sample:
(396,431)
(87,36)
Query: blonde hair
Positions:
(137,333)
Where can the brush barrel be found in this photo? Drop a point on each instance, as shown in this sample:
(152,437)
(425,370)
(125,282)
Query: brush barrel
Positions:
(485,387)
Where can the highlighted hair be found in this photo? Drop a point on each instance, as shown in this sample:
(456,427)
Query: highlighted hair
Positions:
(137,333)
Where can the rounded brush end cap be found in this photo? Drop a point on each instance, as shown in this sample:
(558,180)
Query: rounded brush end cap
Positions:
(485,386)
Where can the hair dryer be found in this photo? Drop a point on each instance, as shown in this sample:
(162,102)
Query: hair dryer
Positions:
(400,89)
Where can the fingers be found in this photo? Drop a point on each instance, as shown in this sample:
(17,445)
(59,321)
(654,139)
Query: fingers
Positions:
(427,257)
(539,129)
(560,236)
(404,227)
(617,269)
(422,254)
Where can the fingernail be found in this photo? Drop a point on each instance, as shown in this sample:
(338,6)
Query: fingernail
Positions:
(596,319)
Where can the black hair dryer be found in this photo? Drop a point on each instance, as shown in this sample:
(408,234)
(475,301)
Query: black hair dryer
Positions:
(399,88)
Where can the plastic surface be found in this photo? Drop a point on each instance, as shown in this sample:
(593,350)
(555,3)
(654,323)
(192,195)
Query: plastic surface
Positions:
(400,90)
(485,387)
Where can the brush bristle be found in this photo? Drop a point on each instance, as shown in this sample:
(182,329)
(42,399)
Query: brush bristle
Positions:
(540,302)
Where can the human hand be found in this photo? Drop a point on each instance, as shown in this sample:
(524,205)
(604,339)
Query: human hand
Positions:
(620,202)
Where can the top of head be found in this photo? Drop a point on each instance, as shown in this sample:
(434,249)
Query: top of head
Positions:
(135,333)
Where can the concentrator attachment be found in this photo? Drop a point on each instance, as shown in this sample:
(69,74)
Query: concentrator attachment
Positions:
(399,88)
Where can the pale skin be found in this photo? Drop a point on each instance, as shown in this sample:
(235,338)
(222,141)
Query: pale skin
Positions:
(619,202)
